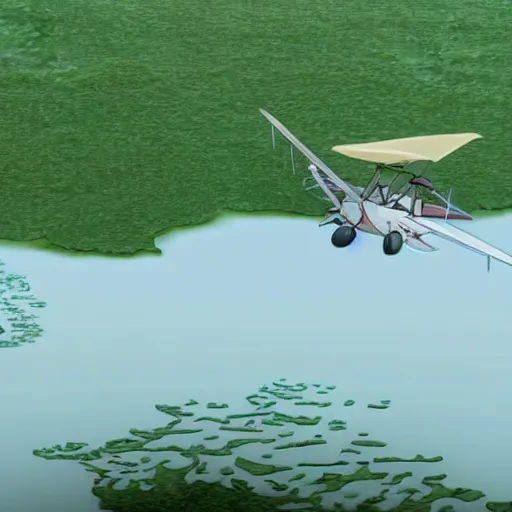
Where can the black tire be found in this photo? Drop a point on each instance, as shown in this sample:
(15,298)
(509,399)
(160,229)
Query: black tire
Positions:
(392,243)
(343,236)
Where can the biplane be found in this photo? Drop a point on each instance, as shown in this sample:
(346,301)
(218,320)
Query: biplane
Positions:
(391,204)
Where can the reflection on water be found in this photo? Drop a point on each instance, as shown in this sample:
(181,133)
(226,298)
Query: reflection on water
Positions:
(226,308)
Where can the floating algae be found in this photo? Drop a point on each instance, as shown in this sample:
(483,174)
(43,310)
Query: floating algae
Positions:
(272,423)
(173,410)
(316,404)
(158,433)
(336,425)
(297,420)
(433,478)
(173,487)
(300,444)
(22,327)
(375,444)
(349,403)
(247,415)
(257,469)
(363,434)
(323,464)
(398,479)
(276,486)
(495,506)
(267,405)
(240,429)
(256,399)
(123,445)
(222,421)
(191,402)
(295,388)
(201,469)
(69,447)
(378,406)
(213,405)
(335,481)
(241,485)
(91,468)
(350,450)
(438,492)
(123,463)
(418,458)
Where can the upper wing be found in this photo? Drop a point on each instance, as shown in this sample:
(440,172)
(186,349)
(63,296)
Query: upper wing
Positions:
(349,190)
(458,236)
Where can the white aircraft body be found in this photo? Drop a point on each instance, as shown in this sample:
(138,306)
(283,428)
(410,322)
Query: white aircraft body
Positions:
(389,205)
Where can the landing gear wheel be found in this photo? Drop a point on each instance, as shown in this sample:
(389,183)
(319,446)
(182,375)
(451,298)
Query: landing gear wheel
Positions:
(343,236)
(392,243)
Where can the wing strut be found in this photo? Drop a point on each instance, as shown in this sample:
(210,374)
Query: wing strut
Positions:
(448,204)
(350,191)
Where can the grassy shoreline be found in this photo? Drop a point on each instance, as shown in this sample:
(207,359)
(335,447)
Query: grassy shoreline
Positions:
(45,245)
(122,120)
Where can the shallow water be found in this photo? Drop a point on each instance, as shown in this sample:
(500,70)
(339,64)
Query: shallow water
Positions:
(245,301)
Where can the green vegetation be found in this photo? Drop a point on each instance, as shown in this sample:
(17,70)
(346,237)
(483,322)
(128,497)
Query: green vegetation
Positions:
(124,119)
(21,326)
(315,403)
(322,464)
(350,450)
(213,405)
(125,485)
(337,425)
(417,458)
(378,406)
(300,444)
(255,468)
(375,444)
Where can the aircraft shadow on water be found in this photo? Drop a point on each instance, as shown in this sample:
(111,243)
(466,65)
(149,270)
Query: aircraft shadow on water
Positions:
(390,206)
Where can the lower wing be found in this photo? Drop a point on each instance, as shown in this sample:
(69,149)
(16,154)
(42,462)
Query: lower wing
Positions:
(458,236)
(416,243)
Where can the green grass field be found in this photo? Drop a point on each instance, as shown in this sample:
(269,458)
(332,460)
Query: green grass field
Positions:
(123,119)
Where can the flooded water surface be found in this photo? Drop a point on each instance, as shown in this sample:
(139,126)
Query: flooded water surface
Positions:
(236,306)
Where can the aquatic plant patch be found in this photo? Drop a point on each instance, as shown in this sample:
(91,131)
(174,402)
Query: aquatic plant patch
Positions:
(191,464)
(19,325)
